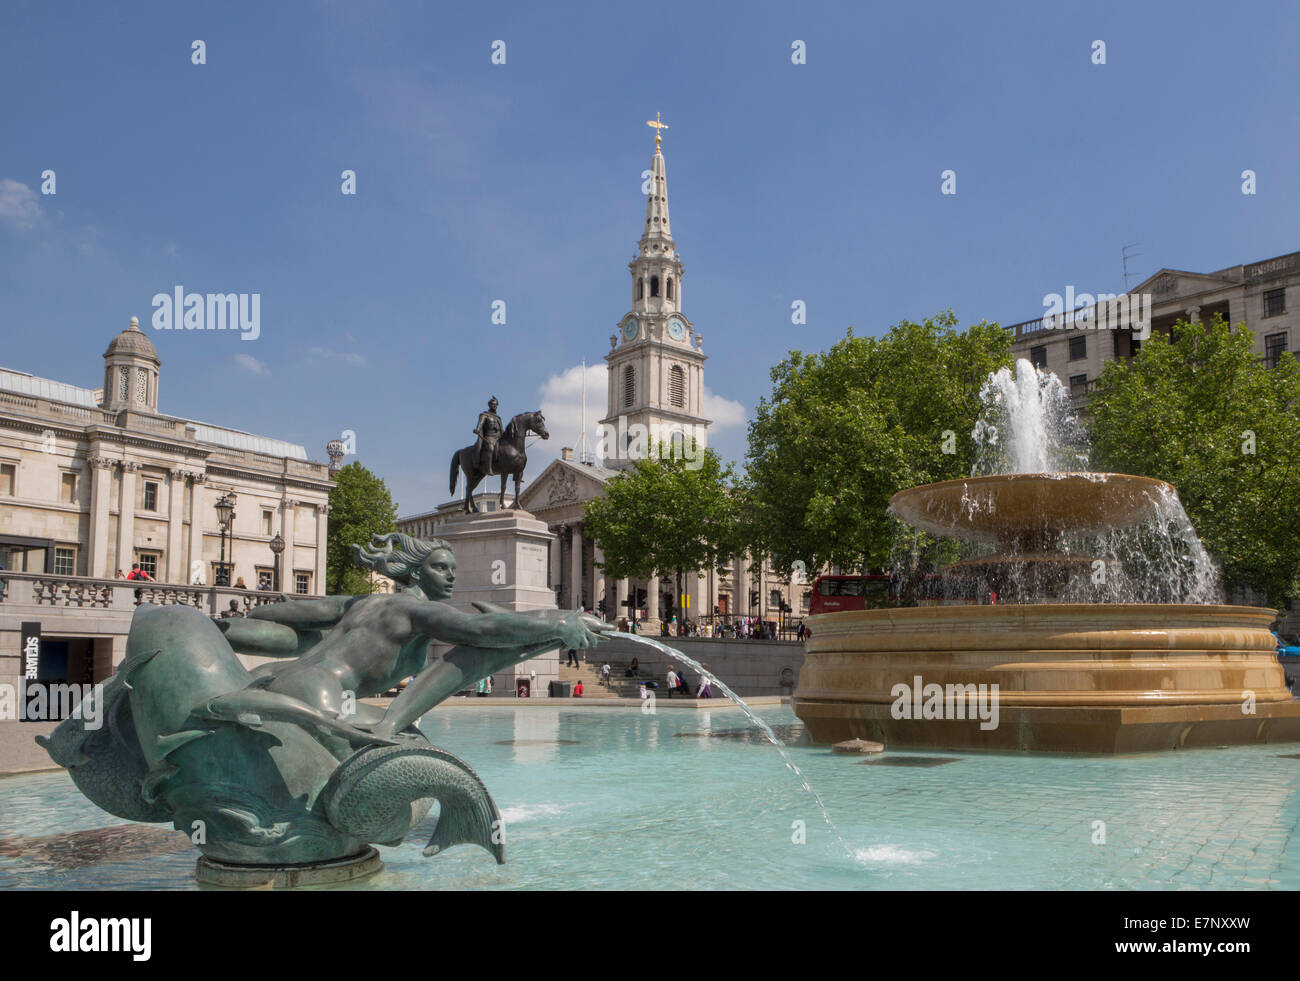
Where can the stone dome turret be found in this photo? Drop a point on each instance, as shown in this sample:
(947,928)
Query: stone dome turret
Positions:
(133,341)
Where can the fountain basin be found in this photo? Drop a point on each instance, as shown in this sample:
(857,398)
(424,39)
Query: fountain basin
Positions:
(1019,511)
(1070,677)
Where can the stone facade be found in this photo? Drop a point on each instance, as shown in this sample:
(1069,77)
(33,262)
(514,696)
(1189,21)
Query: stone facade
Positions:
(1263,295)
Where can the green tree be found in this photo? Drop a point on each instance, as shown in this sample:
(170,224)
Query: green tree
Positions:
(360,506)
(664,516)
(1198,408)
(847,428)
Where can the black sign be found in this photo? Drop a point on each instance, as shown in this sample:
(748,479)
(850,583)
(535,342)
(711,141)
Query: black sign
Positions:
(30,660)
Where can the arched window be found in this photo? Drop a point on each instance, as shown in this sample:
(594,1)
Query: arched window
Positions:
(654,285)
(629,386)
(640,289)
(670,287)
(677,386)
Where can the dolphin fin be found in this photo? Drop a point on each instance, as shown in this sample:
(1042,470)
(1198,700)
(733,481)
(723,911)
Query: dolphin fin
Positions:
(252,707)
(154,779)
(170,743)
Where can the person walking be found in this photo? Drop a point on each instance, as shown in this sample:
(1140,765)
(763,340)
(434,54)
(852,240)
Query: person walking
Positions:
(672,682)
(572,662)
(604,673)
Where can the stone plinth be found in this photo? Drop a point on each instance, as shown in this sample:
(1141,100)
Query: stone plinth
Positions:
(503,557)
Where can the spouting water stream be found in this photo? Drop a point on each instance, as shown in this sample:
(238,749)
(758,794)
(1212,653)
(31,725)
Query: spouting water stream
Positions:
(766,729)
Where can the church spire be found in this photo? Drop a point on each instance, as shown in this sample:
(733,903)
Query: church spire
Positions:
(657,239)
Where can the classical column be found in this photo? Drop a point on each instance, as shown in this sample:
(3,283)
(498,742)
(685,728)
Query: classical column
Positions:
(126,517)
(620,597)
(598,578)
(101,480)
(196,531)
(322,541)
(557,559)
(176,571)
(288,507)
(1193,315)
(575,568)
(652,588)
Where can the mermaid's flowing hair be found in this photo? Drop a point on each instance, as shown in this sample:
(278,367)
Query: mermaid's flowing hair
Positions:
(396,555)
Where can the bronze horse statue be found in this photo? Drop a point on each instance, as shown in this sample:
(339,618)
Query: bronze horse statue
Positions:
(509,458)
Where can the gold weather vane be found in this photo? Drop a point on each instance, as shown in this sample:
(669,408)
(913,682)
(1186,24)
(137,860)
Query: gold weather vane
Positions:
(659,127)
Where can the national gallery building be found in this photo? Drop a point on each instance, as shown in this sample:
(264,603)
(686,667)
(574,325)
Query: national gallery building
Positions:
(93,481)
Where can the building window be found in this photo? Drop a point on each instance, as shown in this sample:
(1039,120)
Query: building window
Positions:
(141,386)
(654,285)
(1274,345)
(267,516)
(8,475)
(677,386)
(629,386)
(68,488)
(670,287)
(148,562)
(1078,348)
(1078,385)
(640,289)
(302,583)
(1274,302)
(265,577)
(1038,356)
(123,384)
(151,495)
(65,561)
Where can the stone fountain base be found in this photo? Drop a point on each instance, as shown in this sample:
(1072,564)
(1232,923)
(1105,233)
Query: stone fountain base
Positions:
(225,875)
(1100,678)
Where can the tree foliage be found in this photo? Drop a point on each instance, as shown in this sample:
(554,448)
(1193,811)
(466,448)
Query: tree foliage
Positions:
(663,517)
(360,506)
(1197,408)
(847,428)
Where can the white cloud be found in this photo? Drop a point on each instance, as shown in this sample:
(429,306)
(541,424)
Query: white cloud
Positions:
(18,204)
(725,413)
(251,364)
(350,357)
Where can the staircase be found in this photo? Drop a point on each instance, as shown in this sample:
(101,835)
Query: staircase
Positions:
(619,685)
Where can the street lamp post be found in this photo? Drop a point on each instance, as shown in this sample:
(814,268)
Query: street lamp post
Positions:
(277,546)
(225,516)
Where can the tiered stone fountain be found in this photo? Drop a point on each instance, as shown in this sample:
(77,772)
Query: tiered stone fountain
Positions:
(1070,676)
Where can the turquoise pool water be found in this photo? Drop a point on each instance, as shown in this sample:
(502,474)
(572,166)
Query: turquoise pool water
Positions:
(607,799)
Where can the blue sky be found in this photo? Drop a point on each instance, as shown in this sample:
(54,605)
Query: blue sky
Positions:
(475,182)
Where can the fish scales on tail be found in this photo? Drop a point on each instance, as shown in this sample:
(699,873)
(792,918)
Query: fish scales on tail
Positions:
(379,792)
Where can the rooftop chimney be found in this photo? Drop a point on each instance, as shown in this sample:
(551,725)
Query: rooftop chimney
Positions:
(566,453)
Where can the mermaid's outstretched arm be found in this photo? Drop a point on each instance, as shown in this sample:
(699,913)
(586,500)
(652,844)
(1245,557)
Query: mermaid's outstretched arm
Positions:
(317,613)
(466,665)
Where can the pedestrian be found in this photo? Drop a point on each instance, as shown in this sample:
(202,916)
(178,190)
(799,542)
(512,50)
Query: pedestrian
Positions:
(672,682)
(121,574)
(138,573)
(572,662)
(604,673)
(683,687)
(641,690)
(239,583)
(577,689)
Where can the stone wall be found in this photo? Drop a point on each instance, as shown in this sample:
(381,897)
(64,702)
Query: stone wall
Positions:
(748,667)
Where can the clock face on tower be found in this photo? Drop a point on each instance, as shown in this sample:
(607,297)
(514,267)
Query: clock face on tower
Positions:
(629,329)
(676,328)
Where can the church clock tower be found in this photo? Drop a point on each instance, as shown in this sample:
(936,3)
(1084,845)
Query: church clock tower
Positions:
(656,359)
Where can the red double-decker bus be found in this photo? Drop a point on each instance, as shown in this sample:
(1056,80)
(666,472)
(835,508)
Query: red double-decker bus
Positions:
(835,594)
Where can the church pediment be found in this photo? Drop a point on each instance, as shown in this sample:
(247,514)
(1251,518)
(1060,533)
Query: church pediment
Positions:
(562,484)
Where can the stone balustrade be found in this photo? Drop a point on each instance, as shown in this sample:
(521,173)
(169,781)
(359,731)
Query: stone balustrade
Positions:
(29,593)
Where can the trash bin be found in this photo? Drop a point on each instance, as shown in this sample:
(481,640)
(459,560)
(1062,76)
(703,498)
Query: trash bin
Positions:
(560,689)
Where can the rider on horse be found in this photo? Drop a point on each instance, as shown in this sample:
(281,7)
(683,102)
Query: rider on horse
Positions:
(488,430)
